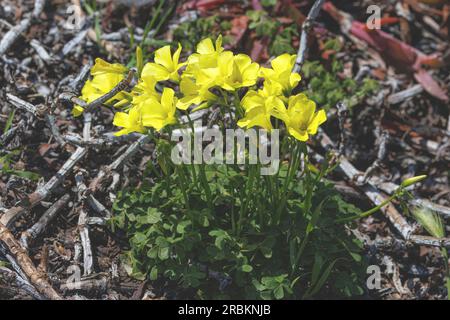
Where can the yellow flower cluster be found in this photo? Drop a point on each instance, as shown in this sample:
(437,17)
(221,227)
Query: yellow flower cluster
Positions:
(206,74)
(300,118)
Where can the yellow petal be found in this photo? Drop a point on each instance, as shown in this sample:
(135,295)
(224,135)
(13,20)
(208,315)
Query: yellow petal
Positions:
(252,100)
(121,119)
(156,71)
(283,63)
(294,79)
(319,118)
(256,117)
(276,108)
(205,46)
(122,132)
(152,122)
(101,66)
(219,44)
(299,135)
(77,111)
(164,58)
(176,57)
(167,100)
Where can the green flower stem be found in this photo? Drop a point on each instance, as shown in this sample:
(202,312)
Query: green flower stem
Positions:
(151,23)
(237,104)
(183,185)
(371,211)
(292,170)
(201,172)
(248,190)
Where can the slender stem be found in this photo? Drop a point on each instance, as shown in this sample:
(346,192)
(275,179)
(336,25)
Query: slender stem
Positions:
(248,190)
(183,185)
(292,169)
(371,211)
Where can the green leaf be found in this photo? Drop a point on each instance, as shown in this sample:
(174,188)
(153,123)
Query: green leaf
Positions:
(278,293)
(163,253)
(154,273)
(25,174)
(10,120)
(153,216)
(247,268)
(323,278)
(139,60)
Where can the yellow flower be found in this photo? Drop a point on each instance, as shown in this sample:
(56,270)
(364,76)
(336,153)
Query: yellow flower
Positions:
(77,111)
(259,109)
(206,56)
(131,121)
(193,94)
(165,66)
(157,114)
(105,77)
(206,46)
(302,119)
(281,72)
(243,73)
(144,90)
(271,88)
(102,67)
(232,72)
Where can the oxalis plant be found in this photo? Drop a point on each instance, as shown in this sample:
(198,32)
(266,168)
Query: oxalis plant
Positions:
(230,229)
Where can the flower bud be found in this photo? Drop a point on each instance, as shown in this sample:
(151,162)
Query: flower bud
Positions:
(413,180)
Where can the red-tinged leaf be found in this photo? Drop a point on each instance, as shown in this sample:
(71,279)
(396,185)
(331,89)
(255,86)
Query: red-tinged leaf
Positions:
(327,53)
(393,50)
(239,27)
(44,148)
(432,1)
(430,85)
(201,5)
(379,73)
(434,61)
(259,50)
(204,5)
(384,22)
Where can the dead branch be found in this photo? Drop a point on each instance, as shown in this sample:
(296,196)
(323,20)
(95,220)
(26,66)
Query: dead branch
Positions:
(43,222)
(42,193)
(78,81)
(404,95)
(83,225)
(384,138)
(41,51)
(10,134)
(73,43)
(307,24)
(106,140)
(85,242)
(371,191)
(50,119)
(11,36)
(24,105)
(20,277)
(106,172)
(445,211)
(98,285)
(38,279)
(122,85)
